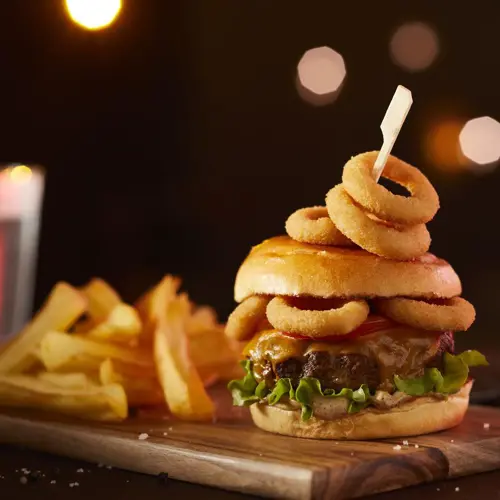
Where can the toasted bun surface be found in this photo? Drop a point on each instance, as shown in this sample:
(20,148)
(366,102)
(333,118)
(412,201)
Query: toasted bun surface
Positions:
(419,416)
(282,266)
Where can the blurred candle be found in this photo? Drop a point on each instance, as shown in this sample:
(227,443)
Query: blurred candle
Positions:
(21,194)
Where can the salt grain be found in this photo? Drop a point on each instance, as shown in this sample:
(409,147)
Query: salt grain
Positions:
(170,429)
(405,442)
(53,481)
(143,436)
(80,471)
(416,446)
(165,433)
(352,454)
(438,489)
(23,480)
(486,426)
(397,447)
(457,489)
(452,440)
(109,467)
(71,485)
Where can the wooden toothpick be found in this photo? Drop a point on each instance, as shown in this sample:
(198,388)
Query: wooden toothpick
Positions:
(391,125)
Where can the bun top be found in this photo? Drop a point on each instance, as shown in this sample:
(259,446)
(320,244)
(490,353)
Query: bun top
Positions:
(283,266)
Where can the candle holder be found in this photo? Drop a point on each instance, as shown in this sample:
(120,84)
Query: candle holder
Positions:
(21,195)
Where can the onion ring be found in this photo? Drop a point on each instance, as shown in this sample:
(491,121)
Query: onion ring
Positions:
(375,236)
(419,208)
(312,225)
(316,324)
(248,318)
(456,314)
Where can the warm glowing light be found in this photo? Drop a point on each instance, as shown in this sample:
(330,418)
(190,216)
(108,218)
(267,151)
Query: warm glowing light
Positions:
(20,173)
(93,14)
(480,140)
(320,74)
(441,145)
(414,46)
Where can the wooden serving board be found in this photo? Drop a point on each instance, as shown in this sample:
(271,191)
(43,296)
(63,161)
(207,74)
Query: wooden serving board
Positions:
(235,455)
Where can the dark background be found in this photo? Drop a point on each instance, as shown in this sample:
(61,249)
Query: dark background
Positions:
(176,139)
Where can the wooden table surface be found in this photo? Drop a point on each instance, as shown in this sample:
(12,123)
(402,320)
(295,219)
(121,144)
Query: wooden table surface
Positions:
(97,482)
(54,476)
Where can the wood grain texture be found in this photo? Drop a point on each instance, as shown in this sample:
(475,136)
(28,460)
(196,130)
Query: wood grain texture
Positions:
(233,454)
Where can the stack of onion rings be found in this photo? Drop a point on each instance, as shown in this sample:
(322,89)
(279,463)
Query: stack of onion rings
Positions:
(377,220)
(317,324)
(364,213)
(456,314)
(376,236)
(313,225)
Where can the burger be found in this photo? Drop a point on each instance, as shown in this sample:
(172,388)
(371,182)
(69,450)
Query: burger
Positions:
(348,321)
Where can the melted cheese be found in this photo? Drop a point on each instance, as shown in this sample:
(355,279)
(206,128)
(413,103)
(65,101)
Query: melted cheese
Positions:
(399,350)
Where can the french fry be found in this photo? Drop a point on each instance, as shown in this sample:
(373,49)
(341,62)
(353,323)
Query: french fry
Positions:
(210,347)
(67,380)
(140,391)
(102,298)
(122,325)
(104,403)
(109,319)
(203,318)
(182,386)
(64,352)
(63,307)
(152,301)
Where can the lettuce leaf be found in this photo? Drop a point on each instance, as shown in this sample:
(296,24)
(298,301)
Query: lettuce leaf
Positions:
(247,391)
(454,376)
(244,390)
(282,388)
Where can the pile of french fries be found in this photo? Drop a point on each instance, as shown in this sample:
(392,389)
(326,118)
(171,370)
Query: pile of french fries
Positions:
(88,354)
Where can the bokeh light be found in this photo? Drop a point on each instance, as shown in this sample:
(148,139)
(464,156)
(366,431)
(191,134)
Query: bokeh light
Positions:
(441,146)
(414,46)
(320,74)
(480,140)
(93,14)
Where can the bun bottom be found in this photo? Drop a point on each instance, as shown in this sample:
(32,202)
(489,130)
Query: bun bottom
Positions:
(422,415)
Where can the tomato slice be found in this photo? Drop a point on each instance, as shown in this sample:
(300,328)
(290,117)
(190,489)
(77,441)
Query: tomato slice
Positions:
(371,325)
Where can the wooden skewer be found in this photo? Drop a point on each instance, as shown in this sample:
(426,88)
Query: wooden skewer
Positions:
(391,125)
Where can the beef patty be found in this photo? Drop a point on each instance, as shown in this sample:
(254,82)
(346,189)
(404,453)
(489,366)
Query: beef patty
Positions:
(347,370)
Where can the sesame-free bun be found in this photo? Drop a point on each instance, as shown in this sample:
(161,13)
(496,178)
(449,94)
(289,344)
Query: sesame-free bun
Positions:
(282,266)
(422,415)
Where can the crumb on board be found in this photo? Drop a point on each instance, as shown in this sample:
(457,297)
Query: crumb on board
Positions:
(80,471)
(397,447)
(486,425)
(53,481)
(143,436)
(457,489)
(417,446)
(71,485)
(405,442)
